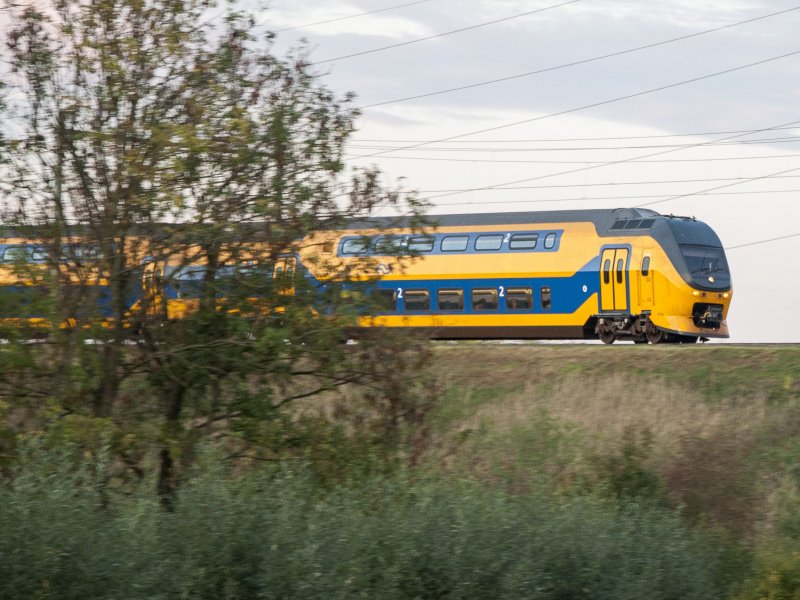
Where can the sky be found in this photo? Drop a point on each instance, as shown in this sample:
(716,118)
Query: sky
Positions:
(686,107)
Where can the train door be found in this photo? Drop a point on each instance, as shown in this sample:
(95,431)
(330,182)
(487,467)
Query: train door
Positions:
(614,280)
(284,274)
(152,288)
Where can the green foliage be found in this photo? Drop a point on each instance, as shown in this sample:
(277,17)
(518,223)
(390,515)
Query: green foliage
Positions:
(276,534)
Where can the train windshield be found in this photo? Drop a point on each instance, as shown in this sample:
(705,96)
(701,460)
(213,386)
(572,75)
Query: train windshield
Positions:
(707,265)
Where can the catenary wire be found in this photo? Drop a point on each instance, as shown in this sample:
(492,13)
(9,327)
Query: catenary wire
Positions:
(592,105)
(575,63)
(588,162)
(611,184)
(369,12)
(604,198)
(719,187)
(777,140)
(756,243)
(609,163)
(589,139)
(438,35)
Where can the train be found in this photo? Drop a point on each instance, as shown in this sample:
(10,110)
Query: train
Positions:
(608,274)
(627,274)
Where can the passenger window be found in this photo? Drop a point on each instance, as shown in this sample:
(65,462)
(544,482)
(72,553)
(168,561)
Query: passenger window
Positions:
(386,300)
(388,244)
(421,244)
(620,269)
(646,266)
(355,246)
(523,241)
(519,298)
(488,242)
(417,300)
(484,299)
(454,243)
(550,240)
(450,299)
(546,298)
(607,271)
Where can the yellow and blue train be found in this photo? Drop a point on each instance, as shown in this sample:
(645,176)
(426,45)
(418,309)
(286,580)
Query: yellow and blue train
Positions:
(622,274)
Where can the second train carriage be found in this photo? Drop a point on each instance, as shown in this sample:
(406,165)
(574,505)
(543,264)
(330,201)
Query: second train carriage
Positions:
(609,274)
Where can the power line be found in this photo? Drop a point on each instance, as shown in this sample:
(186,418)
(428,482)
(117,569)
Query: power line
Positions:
(774,140)
(612,184)
(575,63)
(611,163)
(438,35)
(604,198)
(756,243)
(593,105)
(747,180)
(588,162)
(370,12)
(589,139)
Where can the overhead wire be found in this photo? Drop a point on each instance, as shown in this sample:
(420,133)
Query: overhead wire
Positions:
(604,198)
(727,185)
(578,62)
(585,162)
(369,12)
(445,33)
(590,167)
(592,105)
(588,139)
(775,140)
(758,242)
(615,184)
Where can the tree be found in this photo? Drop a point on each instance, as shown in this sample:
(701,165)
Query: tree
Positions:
(148,147)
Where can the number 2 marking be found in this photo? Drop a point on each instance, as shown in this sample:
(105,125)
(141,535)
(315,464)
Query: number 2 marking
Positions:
(508,237)
(399,292)
(502,291)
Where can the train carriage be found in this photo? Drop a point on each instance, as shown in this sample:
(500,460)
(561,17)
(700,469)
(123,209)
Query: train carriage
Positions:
(609,274)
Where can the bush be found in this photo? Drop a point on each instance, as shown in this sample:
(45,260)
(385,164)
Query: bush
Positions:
(277,534)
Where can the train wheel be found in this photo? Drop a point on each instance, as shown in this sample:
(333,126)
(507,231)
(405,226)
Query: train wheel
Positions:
(640,339)
(607,336)
(655,336)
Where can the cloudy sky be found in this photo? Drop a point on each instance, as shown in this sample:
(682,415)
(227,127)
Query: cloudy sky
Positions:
(688,107)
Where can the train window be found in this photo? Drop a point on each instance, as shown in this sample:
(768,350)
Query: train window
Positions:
(422,243)
(489,242)
(389,244)
(646,266)
(633,224)
(484,299)
(549,240)
(417,300)
(607,271)
(546,297)
(386,300)
(619,224)
(454,243)
(519,298)
(620,269)
(450,299)
(523,241)
(646,223)
(357,245)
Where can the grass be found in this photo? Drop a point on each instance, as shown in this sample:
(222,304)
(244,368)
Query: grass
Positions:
(712,429)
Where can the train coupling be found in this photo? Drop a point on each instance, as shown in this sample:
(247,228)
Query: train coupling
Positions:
(708,316)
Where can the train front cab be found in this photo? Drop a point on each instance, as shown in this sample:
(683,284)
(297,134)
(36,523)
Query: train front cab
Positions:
(672,287)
